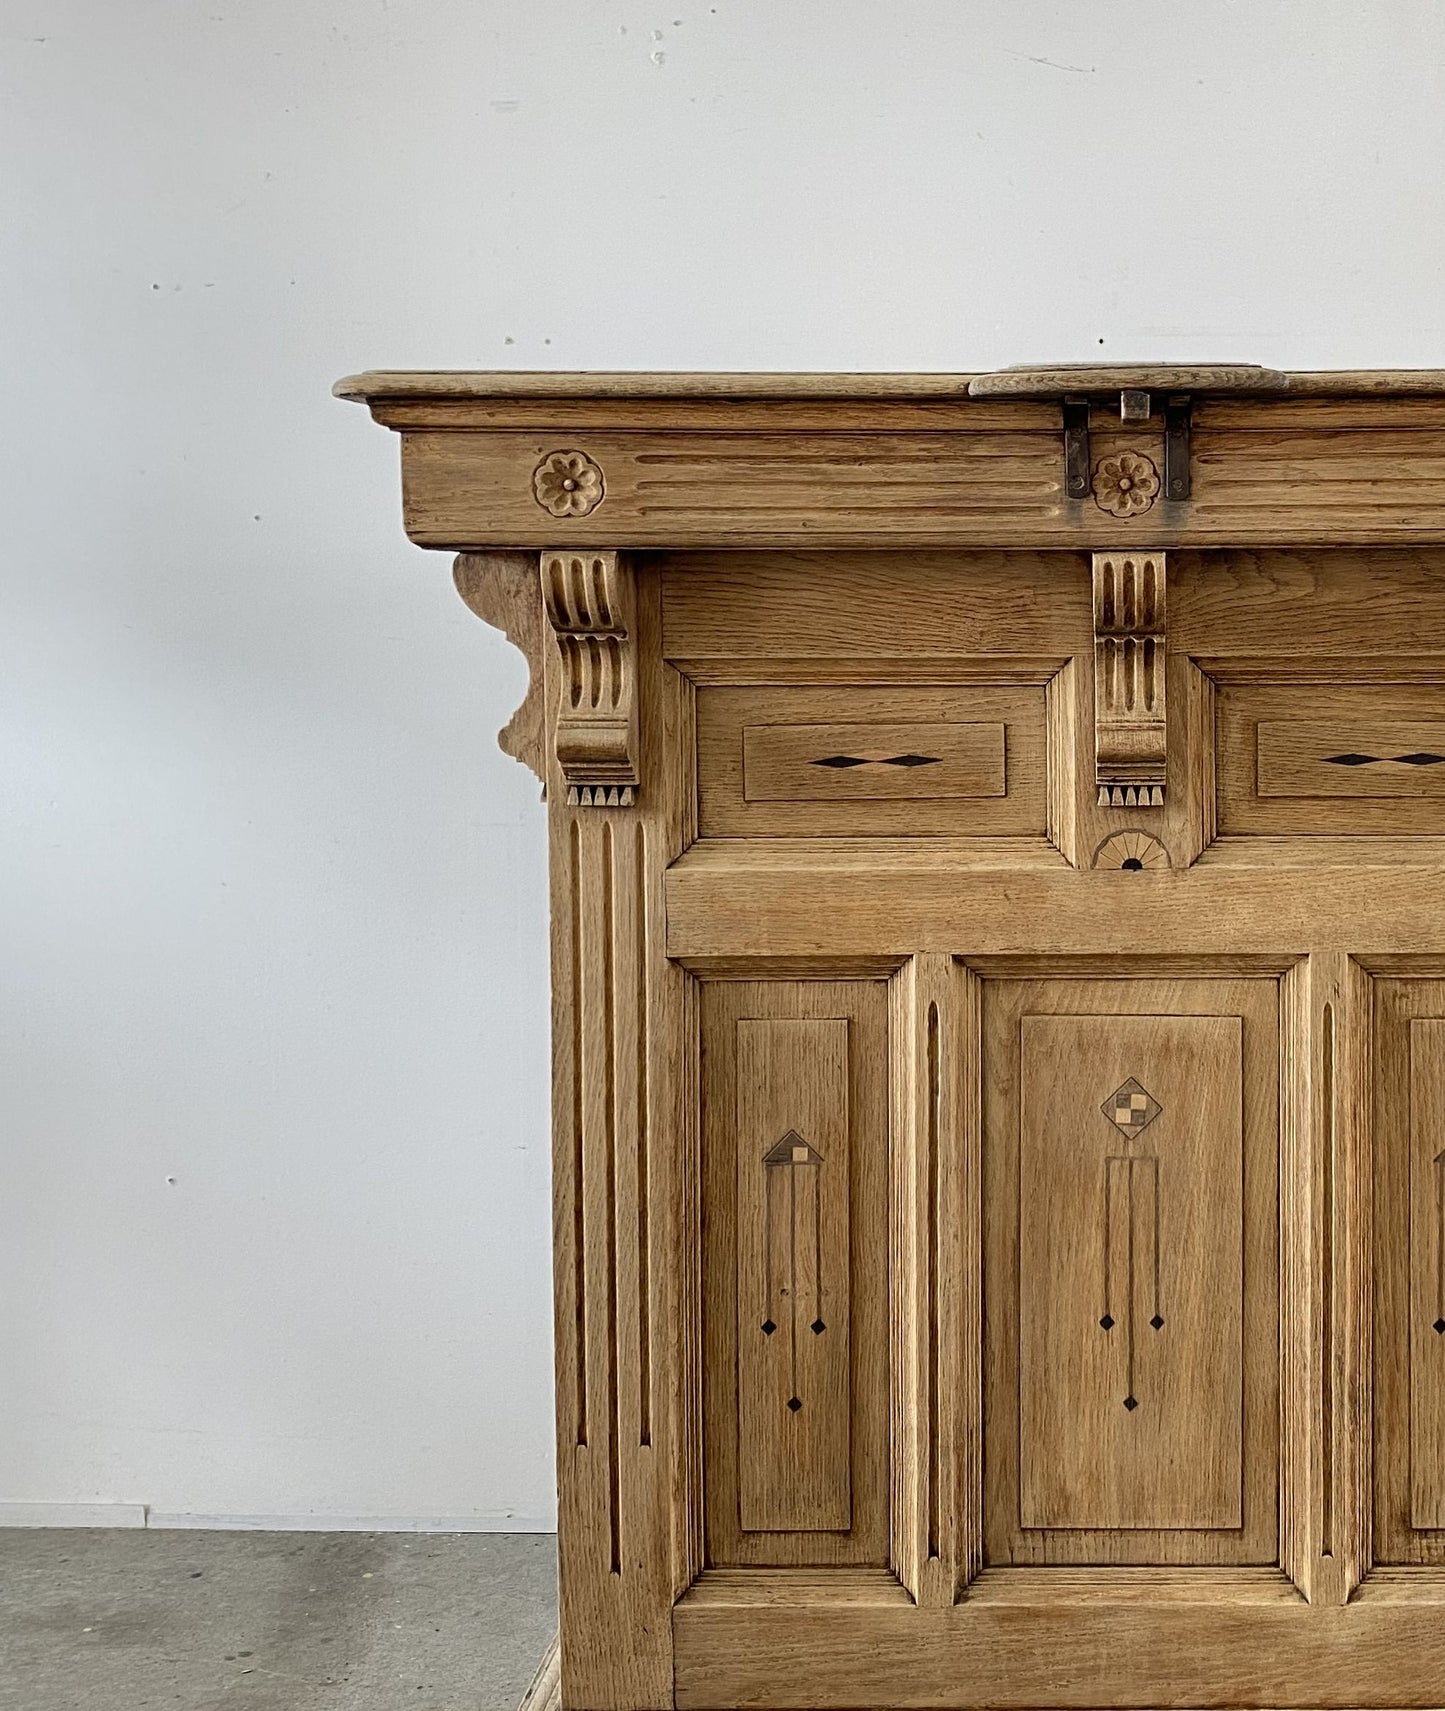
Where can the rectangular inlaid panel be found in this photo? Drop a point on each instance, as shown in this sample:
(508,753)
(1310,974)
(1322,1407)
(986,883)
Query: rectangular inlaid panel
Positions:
(859,760)
(1409,1218)
(794,1214)
(1328,758)
(1130,1271)
(792,1160)
(1131,1169)
(1306,757)
(859,763)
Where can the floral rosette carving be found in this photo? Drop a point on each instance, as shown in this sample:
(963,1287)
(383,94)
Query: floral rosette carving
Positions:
(568,484)
(1125,484)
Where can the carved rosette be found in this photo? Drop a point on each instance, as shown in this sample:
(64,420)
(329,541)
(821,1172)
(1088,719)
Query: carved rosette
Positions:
(568,484)
(1125,484)
(1130,728)
(589,603)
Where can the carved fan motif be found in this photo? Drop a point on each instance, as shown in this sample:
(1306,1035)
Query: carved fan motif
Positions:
(1132,850)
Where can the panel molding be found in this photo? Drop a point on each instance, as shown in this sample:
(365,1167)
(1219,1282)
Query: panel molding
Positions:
(1409,1248)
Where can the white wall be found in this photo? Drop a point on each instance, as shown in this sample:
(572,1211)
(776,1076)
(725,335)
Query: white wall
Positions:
(273,1212)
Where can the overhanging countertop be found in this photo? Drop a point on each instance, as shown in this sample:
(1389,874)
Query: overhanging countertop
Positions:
(1209,379)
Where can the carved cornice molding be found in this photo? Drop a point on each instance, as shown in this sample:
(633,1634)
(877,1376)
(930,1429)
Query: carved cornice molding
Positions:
(589,599)
(1130,721)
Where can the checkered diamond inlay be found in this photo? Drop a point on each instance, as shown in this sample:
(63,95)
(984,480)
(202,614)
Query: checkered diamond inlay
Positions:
(1131,1107)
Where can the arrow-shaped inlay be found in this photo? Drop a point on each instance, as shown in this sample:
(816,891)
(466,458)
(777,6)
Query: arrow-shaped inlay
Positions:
(1131,1211)
(789,1157)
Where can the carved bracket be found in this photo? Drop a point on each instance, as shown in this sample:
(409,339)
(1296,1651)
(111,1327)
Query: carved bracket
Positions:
(1130,726)
(589,600)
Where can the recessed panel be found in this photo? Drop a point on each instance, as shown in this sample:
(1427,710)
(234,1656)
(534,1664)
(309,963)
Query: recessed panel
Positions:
(1354,758)
(1330,759)
(795,1278)
(1131,1170)
(1409,1226)
(857,760)
(1130,1271)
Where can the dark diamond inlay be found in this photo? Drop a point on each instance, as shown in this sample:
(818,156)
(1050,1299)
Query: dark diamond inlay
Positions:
(841,760)
(1157,1322)
(1421,759)
(1107,1321)
(912,760)
(1440,1327)
(768,1327)
(817,1327)
(1350,760)
(1131,1403)
(794,1404)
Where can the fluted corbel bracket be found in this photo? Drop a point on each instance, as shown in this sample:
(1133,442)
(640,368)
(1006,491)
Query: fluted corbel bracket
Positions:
(1130,722)
(590,603)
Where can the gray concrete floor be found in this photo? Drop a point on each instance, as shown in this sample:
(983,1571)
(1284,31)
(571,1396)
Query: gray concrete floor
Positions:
(121,1620)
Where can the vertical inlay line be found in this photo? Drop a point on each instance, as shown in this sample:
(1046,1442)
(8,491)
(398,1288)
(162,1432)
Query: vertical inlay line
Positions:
(1327,1286)
(579,1225)
(793,1282)
(1130,1400)
(644,1258)
(769,1221)
(609,1110)
(815,1176)
(1158,1317)
(1439,1237)
(931,1215)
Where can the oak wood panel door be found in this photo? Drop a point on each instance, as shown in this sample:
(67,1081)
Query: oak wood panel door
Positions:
(795,1370)
(1130,1154)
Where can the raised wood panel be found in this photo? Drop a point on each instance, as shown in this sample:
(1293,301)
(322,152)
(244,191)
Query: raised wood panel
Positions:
(1131,1158)
(1427,1273)
(862,763)
(761,752)
(1130,1272)
(1409,1127)
(1330,758)
(1367,757)
(795,1067)
(793,1284)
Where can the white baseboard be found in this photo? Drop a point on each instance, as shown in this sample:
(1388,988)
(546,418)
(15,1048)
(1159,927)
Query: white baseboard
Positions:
(356,1523)
(142,1515)
(72,1514)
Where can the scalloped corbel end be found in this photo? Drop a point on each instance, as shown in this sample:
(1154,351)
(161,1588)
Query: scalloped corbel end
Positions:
(503,590)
